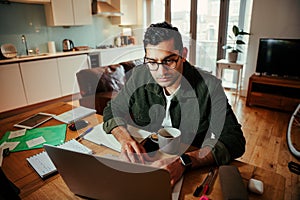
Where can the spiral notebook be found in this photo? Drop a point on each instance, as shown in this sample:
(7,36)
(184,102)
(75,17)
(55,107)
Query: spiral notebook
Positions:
(42,163)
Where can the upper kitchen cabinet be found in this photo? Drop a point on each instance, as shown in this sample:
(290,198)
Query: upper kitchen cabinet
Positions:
(68,12)
(132,12)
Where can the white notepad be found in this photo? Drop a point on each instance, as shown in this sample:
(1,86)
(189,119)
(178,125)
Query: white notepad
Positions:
(42,163)
(75,114)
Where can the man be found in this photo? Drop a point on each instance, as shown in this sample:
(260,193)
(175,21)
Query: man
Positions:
(168,91)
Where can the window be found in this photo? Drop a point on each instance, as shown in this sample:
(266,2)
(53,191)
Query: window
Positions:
(157,11)
(180,16)
(210,15)
(207,34)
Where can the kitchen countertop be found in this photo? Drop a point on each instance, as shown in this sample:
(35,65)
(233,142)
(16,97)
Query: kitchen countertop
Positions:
(43,56)
(62,54)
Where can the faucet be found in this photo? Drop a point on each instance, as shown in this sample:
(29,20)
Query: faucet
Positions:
(25,42)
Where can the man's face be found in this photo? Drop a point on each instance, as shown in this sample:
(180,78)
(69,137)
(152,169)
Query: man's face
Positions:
(162,53)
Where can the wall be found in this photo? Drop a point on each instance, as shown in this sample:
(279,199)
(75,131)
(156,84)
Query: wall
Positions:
(274,19)
(17,19)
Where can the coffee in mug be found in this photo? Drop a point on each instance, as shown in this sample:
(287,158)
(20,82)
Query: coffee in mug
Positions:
(169,140)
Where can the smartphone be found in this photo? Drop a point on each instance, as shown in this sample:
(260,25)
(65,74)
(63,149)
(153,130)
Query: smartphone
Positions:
(34,121)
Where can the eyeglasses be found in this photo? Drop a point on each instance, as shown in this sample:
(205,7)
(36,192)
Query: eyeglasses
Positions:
(166,62)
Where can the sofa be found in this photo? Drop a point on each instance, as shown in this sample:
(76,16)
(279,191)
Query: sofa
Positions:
(100,84)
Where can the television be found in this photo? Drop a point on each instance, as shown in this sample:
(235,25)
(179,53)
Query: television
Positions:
(279,57)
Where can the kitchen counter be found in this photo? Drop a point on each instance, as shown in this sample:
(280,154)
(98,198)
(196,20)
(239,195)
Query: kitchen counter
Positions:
(43,56)
(70,53)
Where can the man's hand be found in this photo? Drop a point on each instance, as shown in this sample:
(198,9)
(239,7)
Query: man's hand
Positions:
(173,166)
(200,158)
(131,150)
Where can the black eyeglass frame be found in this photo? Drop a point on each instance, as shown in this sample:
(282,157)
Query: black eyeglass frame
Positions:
(164,62)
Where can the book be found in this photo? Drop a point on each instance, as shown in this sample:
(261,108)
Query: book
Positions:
(74,114)
(42,163)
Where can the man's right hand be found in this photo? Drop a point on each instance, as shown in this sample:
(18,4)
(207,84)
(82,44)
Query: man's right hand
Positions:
(131,150)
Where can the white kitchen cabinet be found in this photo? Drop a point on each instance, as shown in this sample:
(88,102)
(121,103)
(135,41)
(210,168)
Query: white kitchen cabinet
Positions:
(68,67)
(11,87)
(132,12)
(41,80)
(68,12)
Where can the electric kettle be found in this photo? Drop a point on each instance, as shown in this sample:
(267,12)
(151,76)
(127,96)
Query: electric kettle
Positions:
(68,45)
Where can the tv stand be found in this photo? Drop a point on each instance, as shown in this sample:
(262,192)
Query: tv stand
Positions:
(273,92)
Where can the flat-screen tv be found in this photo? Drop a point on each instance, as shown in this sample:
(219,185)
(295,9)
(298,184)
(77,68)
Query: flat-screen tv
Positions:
(279,57)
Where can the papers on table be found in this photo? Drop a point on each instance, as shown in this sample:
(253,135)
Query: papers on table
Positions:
(19,133)
(35,141)
(34,138)
(100,137)
(44,166)
(6,145)
(138,134)
(75,114)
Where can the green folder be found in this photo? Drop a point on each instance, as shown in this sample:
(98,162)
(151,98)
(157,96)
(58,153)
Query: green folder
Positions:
(53,135)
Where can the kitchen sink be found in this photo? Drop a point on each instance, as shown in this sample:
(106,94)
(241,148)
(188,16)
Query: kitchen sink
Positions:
(33,55)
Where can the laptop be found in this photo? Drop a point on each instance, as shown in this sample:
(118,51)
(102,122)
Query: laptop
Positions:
(106,178)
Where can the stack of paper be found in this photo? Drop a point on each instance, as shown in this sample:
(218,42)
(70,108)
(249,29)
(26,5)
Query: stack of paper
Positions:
(74,114)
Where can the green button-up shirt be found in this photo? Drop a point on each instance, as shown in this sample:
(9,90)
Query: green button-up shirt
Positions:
(200,110)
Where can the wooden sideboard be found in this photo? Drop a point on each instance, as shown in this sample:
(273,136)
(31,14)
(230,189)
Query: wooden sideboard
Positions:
(273,92)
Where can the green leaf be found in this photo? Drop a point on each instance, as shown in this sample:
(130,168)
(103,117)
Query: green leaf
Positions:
(240,42)
(239,49)
(227,47)
(243,33)
(235,30)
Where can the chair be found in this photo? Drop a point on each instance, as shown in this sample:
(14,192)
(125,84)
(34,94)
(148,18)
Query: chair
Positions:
(100,84)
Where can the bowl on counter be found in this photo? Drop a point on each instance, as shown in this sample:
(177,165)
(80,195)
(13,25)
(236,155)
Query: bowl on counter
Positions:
(8,51)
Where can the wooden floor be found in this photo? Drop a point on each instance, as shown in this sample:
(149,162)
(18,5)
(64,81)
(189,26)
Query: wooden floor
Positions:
(265,133)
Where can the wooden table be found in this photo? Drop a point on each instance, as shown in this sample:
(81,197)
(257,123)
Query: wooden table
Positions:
(225,64)
(32,186)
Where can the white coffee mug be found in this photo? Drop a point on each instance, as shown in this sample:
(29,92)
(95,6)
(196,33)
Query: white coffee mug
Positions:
(169,140)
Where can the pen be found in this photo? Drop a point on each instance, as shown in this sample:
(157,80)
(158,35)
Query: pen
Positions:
(84,133)
(211,181)
(204,185)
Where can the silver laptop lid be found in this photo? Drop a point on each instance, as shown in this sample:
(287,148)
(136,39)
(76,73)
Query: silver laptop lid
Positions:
(109,179)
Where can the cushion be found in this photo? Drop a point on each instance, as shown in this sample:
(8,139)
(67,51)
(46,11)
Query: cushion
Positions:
(101,79)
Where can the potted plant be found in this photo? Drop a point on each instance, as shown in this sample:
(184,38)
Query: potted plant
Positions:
(235,46)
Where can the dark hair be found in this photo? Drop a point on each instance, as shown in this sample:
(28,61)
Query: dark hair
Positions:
(160,32)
